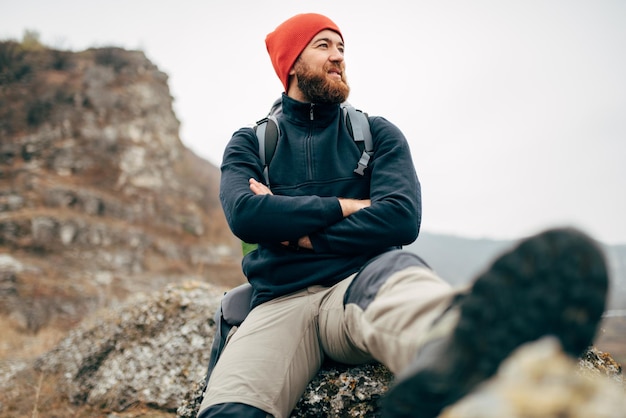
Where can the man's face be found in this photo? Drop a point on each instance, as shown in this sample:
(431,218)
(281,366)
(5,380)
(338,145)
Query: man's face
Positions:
(319,71)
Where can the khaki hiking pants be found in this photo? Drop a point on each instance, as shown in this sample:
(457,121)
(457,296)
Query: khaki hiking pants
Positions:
(279,348)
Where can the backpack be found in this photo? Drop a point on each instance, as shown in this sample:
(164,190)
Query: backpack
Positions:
(235,304)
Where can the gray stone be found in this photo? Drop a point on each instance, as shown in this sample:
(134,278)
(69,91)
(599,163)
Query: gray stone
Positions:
(540,381)
(151,350)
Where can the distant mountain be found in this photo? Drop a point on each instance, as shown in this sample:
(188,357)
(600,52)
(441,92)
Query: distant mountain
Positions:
(459,260)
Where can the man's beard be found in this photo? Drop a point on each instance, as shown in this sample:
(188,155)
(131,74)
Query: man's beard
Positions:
(317,87)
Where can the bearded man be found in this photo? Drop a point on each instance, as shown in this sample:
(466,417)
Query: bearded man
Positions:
(329,278)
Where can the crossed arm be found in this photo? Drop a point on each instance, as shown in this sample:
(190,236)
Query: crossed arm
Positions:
(326,223)
(348,207)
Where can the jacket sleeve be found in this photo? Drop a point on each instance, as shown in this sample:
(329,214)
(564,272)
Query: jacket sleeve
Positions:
(266,218)
(394,217)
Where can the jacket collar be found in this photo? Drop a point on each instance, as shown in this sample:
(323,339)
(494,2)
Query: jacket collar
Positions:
(318,114)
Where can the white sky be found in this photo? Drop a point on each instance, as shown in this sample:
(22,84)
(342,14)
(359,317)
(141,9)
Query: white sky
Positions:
(515,110)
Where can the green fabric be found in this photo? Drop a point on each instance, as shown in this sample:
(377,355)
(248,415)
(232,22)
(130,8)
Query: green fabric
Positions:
(246,248)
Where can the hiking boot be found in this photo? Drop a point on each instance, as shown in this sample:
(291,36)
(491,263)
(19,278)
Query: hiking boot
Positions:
(554,283)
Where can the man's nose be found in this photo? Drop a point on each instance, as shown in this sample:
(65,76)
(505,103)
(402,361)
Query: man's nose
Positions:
(336,55)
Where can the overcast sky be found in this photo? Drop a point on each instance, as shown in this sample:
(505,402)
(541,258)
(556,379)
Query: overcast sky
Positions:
(515,110)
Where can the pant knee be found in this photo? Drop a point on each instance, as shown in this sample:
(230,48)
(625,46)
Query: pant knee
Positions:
(366,284)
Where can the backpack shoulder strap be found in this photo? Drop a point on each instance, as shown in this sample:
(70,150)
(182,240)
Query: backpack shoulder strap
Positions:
(267,133)
(358,125)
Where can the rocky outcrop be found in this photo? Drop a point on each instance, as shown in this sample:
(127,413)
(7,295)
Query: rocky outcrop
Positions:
(154,351)
(99,199)
(151,350)
(539,381)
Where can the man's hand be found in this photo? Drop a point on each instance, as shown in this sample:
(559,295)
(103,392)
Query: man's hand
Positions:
(259,188)
(305,242)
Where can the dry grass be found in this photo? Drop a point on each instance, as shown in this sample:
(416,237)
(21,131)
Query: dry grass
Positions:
(34,395)
(19,345)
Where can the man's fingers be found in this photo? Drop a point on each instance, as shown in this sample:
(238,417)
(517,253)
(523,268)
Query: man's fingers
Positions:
(350,206)
(258,188)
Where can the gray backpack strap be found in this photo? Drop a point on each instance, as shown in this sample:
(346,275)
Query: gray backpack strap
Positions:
(359,127)
(267,133)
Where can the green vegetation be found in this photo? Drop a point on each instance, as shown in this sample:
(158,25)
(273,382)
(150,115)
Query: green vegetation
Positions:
(31,42)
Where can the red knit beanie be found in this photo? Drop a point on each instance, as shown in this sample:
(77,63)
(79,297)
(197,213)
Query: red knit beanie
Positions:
(291,37)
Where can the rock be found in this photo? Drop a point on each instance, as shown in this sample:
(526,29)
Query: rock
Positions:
(154,350)
(337,391)
(149,351)
(596,363)
(540,381)
(342,391)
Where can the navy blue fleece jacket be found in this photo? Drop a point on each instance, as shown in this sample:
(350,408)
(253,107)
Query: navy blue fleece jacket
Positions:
(312,167)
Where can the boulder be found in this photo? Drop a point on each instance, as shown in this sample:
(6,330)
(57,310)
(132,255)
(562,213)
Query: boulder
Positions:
(540,381)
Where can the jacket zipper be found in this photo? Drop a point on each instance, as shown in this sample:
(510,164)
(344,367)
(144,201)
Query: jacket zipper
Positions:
(309,140)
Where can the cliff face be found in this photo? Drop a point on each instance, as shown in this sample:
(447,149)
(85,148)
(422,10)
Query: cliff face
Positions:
(98,196)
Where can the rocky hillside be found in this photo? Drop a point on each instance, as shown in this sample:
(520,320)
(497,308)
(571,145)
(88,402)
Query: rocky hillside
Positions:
(99,199)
